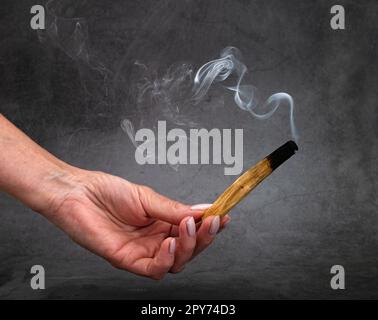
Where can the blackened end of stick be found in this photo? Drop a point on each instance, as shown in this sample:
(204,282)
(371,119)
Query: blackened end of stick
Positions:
(279,156)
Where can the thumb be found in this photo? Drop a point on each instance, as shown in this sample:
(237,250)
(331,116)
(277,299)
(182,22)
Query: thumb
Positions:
(159,207)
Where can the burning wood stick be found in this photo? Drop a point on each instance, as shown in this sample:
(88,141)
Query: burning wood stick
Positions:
(250,179)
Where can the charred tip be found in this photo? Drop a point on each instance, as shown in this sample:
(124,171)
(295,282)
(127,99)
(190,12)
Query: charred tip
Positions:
(279,156)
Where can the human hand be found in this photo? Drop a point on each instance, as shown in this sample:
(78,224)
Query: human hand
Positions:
(130,225)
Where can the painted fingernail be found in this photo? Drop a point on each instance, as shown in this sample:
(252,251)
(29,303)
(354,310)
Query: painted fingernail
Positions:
(202,206)
(214,227)
(191,227)
(172,246)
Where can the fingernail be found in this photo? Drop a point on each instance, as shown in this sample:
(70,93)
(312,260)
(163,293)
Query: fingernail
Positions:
(214,227)
(191,227)
(202,206)
(172,246)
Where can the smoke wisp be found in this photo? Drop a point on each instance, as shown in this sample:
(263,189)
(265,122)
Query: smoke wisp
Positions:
(229,63)
(175,95)
(68,31)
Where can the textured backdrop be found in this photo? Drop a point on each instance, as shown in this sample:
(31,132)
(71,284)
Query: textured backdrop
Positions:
(319,209)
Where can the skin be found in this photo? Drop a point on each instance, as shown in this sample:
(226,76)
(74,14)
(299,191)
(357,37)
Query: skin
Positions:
(130,225)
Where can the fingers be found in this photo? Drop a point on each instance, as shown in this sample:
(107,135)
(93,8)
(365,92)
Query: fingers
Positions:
(157,267)
(192,243)
(174,253)
(185,245)
(224,222)
(206,233)
(162,208)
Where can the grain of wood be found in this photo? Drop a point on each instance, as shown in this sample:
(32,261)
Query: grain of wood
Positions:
(239,189)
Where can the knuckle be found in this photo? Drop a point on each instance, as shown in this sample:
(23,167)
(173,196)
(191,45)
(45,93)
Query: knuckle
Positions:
(188,246)
(144,192)
(175,204)
(152,273)
(116,261)
(207,241)
(177,269)
(165,265)
(147,189)
(157,276)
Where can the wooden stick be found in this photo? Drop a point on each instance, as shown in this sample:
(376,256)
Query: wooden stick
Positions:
(250,180)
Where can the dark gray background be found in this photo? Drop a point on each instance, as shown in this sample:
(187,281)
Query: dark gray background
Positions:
(317,210)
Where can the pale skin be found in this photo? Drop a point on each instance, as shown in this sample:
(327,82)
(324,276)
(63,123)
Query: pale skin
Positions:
(130,225)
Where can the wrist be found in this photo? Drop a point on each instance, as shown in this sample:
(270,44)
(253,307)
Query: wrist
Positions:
(56,184)
(30,173)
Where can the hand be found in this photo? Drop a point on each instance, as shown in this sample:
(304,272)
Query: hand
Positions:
(130,225)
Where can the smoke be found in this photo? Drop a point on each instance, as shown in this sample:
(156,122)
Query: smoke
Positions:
(229,63)
(166,96)
(68,31)
(175,95)
(128,127)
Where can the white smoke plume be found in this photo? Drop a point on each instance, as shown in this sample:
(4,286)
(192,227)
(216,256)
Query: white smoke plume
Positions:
(174,95)
(230,63)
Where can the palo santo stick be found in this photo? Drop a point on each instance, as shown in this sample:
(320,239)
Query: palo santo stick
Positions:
(250,179)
